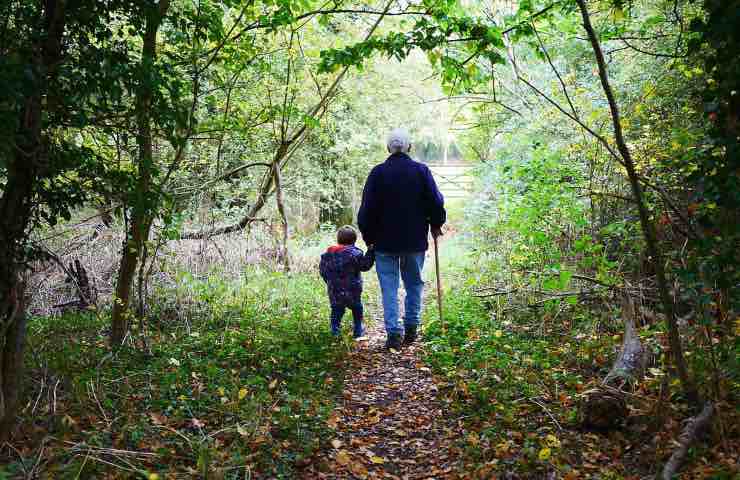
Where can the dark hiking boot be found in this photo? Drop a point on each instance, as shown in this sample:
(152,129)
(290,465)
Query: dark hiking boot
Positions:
(393,342)
(410,336)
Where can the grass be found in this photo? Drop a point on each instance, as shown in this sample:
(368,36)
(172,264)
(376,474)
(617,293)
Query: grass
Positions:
(238,382)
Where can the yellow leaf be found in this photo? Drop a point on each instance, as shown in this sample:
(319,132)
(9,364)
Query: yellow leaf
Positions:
(342,457)
(358,470)
(377,459)
(152,476)
(221,391)
(498,333)
(473,439)
(273,384)
(544,454)
(242,393)
(552,441)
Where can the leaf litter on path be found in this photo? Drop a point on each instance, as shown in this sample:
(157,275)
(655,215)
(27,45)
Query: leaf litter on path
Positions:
(390,423)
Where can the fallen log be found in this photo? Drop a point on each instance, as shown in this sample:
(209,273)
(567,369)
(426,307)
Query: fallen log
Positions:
(693,430)
(606,405)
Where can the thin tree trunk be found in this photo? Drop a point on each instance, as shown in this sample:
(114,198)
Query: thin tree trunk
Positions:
(283,217)
(141,212)
(648,229)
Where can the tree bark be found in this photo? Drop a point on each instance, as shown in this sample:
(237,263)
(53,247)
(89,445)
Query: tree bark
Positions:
(141,211)
(694,429)
(283,217)
(25,168)
(648,228)
(606,405)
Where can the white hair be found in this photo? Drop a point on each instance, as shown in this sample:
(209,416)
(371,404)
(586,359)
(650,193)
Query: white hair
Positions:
(399,140)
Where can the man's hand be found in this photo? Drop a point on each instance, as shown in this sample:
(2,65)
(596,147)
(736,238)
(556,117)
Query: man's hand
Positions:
(436,232)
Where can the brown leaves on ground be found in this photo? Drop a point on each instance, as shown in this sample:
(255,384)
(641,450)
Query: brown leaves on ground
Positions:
(390,424)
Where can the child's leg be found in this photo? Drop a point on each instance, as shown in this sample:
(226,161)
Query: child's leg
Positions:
(337,312)
(357,316)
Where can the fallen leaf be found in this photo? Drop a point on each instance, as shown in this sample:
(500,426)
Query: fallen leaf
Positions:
(273,384)
(544,454)
(158,419)
(552,441)
(242,393)
(336,443)
(342,457)
(377,459)
(358,470)
(333,421)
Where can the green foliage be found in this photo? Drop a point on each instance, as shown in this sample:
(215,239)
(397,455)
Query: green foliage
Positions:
(237,373)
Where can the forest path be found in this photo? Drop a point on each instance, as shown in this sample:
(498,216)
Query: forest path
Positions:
(390,422)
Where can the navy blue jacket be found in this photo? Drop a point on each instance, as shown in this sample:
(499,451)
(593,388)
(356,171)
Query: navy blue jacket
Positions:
(340,268)
(399,203)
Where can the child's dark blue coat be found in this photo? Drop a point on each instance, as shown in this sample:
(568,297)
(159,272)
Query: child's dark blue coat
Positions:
(340,268)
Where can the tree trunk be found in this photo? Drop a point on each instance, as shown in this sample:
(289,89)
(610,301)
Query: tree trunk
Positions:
(606,405)
(142,210)
(648,228)
(283,217)
(24,170)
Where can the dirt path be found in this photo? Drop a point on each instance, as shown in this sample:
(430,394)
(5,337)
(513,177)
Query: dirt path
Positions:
(391,423)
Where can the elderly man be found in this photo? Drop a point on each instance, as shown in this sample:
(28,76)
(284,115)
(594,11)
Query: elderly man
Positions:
(400,202)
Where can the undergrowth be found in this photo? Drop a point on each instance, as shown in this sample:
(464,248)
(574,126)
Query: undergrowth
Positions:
(236,381)
(517,378)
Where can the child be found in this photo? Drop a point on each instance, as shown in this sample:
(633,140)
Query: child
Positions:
(340,268)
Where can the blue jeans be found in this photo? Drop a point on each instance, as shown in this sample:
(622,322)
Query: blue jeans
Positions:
(408,267)
(337,312)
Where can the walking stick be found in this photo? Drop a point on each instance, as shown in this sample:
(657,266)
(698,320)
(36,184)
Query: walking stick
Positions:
(439,283)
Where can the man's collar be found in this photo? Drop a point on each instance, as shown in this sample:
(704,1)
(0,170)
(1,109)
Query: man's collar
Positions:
(399,156)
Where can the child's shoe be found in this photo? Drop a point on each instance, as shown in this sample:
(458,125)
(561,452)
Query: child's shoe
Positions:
(358,331)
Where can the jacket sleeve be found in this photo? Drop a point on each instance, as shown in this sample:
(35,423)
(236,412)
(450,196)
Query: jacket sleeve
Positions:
(365,262)
(433,199)
(367,215)
(323,268)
